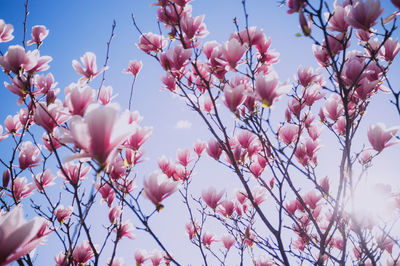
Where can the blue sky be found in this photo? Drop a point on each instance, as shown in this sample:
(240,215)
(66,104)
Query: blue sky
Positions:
(80,26)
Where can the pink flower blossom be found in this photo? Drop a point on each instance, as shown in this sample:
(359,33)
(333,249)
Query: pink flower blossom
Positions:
(74,172)
(184,157)
(29,155)
(199,147)
(44,179)
(82,253)
(54,140)
(363,15)
(107,193)
(6,31)
(21,189)
(175,58)
(390,49)
(90,71)
(50,116)
(336,20)
(44,83)
(232,52)
(379,136)
(61,259)
(211,197)
(228,241)
(268,88)
(18,237)
(138,137)
(208,238)
(193,27)
(156,257)
(78,98)
(63,213)
(105,95)
(114,214)
(16,58)
(288,133)
(150,42)
(12,124)
(140,256)
(226,208)
(259,194)
(294,5)
(214,149)
(100,132)
(39,33)
(134,67)
(233,97)
(157,187)
(125,229)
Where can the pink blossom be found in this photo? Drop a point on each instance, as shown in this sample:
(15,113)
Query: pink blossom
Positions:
(184,157)
(268,88)
(251,36)
(63,213)
(138,137)
(12,124)
(259,194)
(106,192)
(114,214)
(61,259)
(191,229)
(226,208)
(306,76)
(365,157)
(312,94)
(156,257)
(321,54)
(82,253)
(89,62)
(211,197)
(44,83)
(390,49)
(333,107)
(19,86)
(157,187)
(256,169)
(305,24)
(206,103)
(29,155)
(199,147)
(54,140)
(150,42)
(314,131)
(363,15)
(21,189)
(117,261)
(18,237)
(214,149)
(233,97)
(312,199)
(74,173)
(100,132)
(134,67)
(288,133)
(16,58)
(6,31)
(116,168)
(193,27)
(232,52)
(105,95)
(379,136)
(294,5)
(245,138)
(44,179)
(169,81)
(208,238)
(50,116)
(39,33)
(6,178)
(140,256)
(175,58)
(228,241)
(336,20)
(125,229)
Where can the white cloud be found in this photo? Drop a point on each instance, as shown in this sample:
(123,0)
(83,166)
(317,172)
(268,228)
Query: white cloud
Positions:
(183,124)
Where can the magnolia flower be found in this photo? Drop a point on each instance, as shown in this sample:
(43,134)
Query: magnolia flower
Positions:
(39,33)
(133,67)
(363,15)
(17,236)
(82,253)
(29,155)
(6,31)
(157,187)
(379,136)
(100,132)
(268,88)
(90,71)
(211,197)
(63,213)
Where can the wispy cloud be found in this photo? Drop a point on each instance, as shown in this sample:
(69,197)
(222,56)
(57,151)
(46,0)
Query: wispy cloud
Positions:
(183,124)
